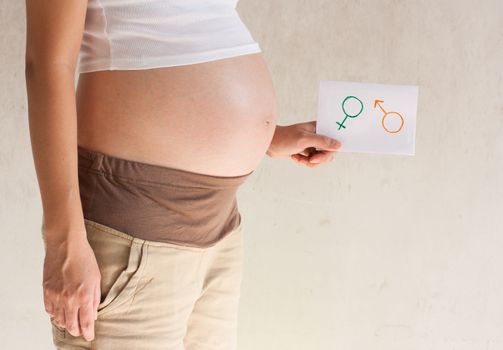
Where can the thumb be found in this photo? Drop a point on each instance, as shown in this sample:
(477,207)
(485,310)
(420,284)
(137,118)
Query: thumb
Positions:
(321,142)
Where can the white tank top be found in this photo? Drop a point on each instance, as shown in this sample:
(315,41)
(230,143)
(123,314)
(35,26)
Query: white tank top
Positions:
(141,34)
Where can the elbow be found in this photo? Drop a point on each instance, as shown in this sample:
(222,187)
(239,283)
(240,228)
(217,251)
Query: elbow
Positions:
(28,69)
(33,67)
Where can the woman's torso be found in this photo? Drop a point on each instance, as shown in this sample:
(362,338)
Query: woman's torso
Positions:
(214,118)
(144,96)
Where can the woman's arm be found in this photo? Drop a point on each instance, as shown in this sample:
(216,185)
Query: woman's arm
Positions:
(71,275)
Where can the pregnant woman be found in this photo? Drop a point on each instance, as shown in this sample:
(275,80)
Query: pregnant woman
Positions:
(138,168)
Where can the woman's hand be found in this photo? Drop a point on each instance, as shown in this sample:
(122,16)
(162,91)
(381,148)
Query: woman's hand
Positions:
(301,143)
(72,285)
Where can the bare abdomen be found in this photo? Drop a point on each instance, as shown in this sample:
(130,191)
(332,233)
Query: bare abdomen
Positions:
(215,118)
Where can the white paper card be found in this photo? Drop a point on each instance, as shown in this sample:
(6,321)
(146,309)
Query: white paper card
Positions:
(371,118)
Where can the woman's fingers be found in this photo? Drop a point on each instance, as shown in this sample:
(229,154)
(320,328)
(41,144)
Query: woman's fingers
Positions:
(49,307)
(59,316)
(322,157)
(308,151)
(315,159)
(318,141)
(77,314)
(86,320)
(303,160)
(71,319)
(97,299)
(73,290)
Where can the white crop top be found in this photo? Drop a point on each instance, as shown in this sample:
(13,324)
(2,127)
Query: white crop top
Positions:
(142,34)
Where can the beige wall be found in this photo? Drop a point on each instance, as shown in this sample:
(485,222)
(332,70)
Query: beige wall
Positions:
(369,252)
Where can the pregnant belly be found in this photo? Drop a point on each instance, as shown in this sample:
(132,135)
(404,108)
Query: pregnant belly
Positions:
(215,118)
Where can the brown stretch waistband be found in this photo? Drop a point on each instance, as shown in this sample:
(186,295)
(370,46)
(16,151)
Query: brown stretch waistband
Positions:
(157,203)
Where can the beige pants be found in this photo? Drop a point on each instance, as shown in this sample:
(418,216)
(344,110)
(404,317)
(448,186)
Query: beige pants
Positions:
(157,295)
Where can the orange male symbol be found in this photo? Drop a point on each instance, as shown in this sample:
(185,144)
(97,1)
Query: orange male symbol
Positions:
(386,114)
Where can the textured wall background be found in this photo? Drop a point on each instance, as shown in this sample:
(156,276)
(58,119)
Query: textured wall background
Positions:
(369,252)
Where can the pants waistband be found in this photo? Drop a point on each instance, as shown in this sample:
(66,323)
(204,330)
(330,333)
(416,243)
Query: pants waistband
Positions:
(110,230)
(151,173)
(157,203)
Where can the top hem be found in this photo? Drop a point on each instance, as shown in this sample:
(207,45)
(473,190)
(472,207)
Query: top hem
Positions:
(166,61)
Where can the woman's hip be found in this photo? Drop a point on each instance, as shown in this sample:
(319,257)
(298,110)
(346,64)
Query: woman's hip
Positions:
(157,295)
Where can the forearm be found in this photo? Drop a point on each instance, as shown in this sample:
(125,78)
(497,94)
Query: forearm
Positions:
(53,134)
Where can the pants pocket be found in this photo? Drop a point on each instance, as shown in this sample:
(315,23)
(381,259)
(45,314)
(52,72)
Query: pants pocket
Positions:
(57,331)
(121,260)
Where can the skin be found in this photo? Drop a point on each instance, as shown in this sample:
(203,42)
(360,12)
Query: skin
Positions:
(301,143)
(216,118)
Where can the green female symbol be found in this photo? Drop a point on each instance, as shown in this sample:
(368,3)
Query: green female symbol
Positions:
(347,115)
